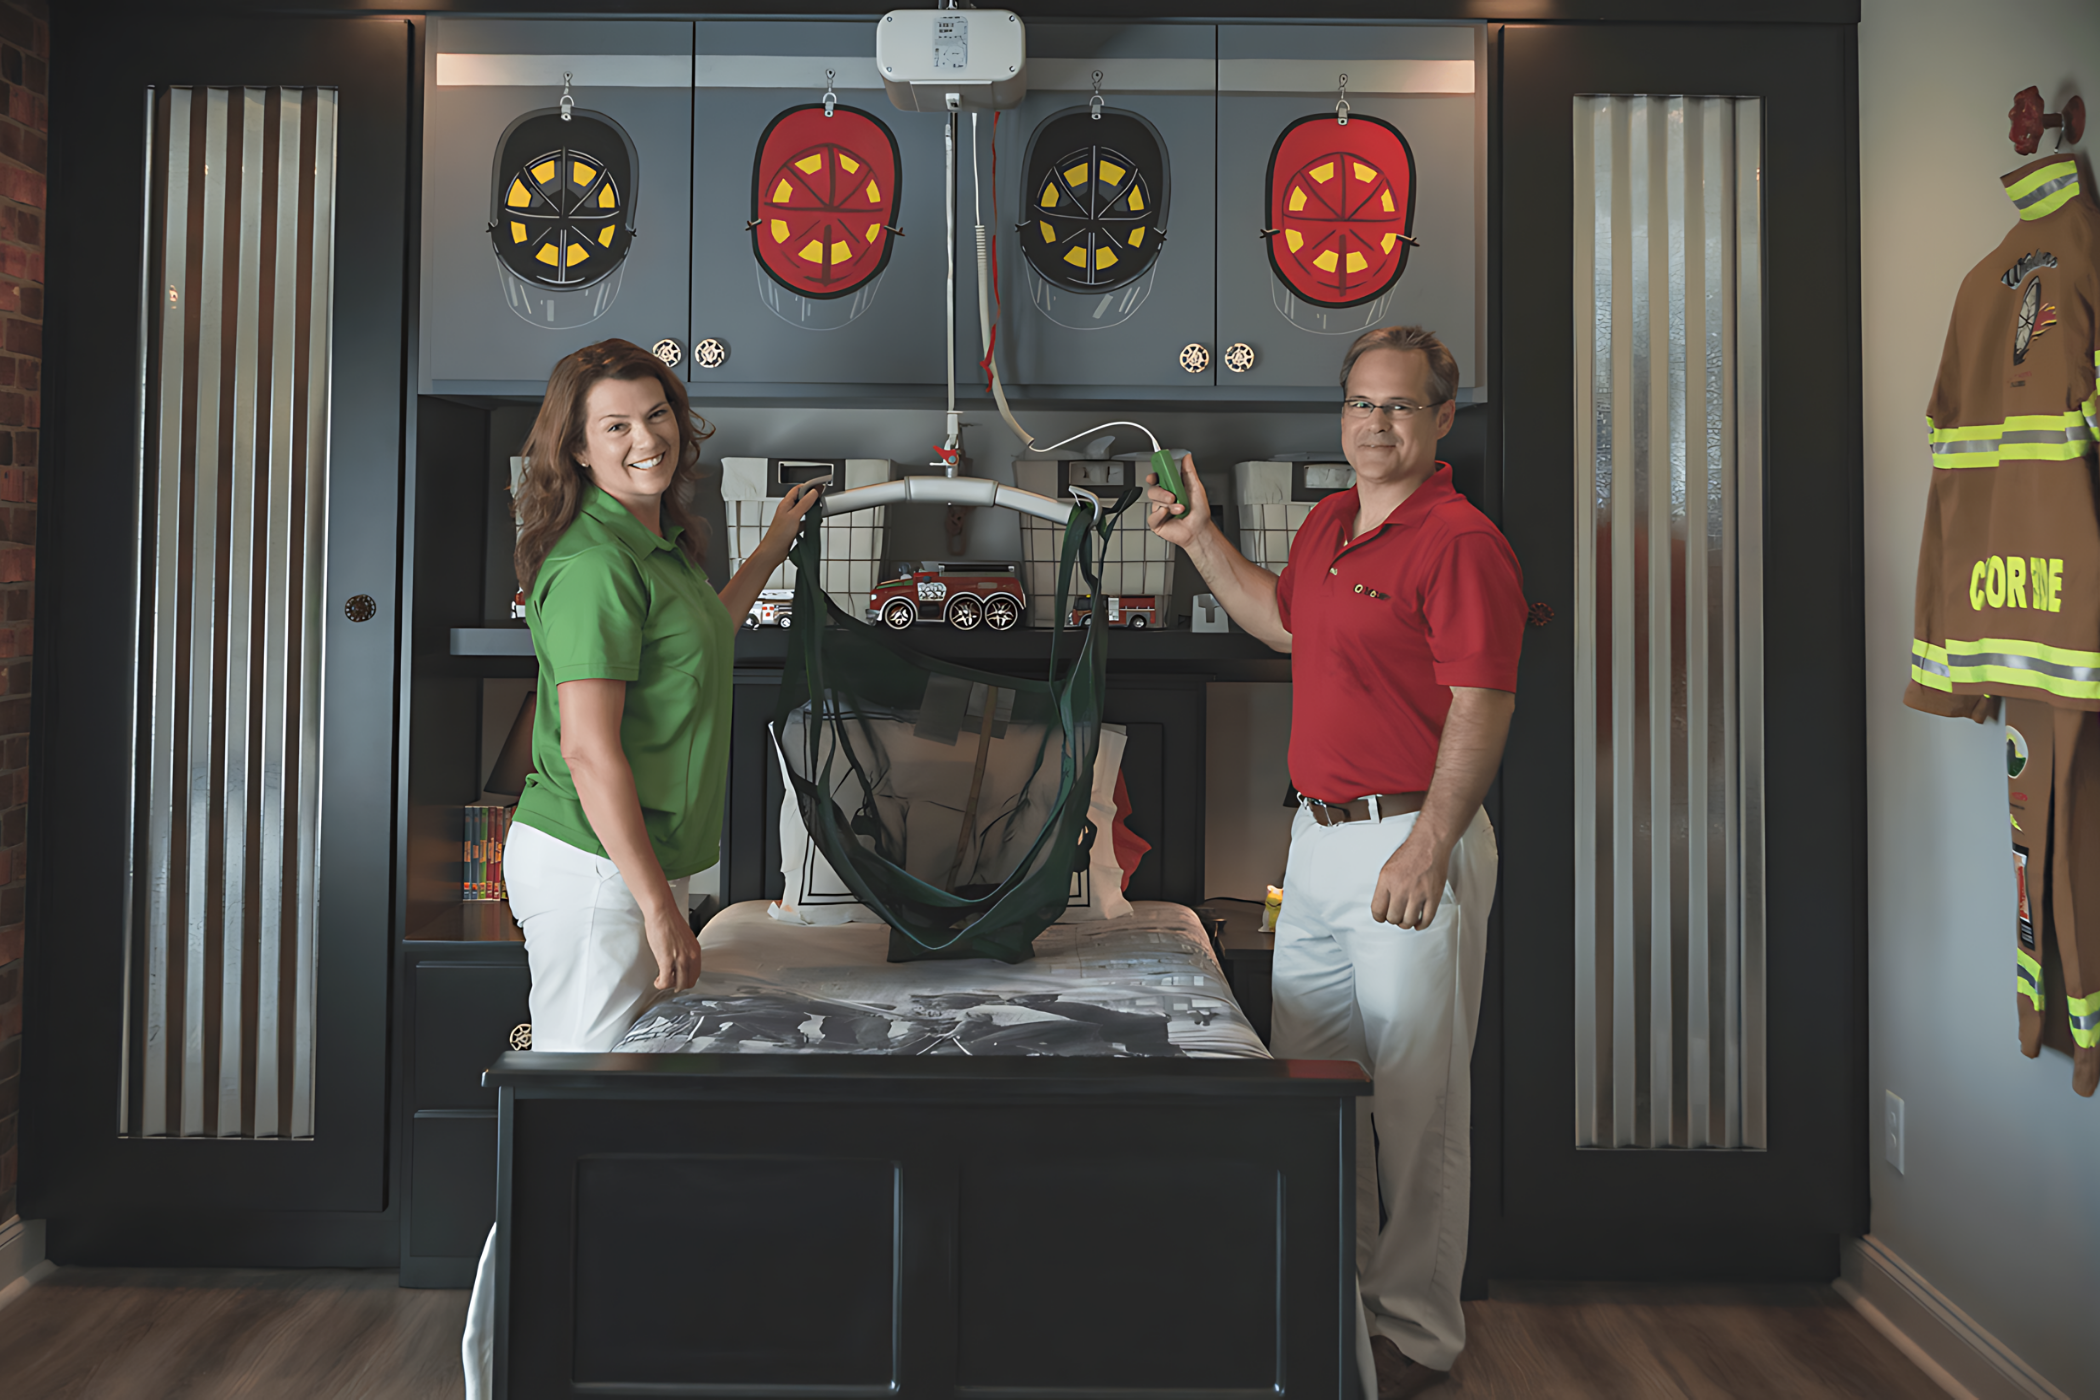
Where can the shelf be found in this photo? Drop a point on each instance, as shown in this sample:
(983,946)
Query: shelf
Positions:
(471,921)
(1169,650)
(513,640)
(1225,655)
(1244,942)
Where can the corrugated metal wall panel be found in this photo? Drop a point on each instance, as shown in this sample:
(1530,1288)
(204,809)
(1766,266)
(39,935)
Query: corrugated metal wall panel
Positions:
(1669,953)
(226,823)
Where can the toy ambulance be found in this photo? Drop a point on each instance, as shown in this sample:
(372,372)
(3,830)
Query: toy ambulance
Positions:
(1136,613)
(775,608)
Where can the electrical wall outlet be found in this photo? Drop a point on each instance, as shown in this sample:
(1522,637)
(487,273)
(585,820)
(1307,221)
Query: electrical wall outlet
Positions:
(1892,1132)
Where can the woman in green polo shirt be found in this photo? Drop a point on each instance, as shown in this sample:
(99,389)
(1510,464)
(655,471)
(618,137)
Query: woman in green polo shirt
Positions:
(630,745)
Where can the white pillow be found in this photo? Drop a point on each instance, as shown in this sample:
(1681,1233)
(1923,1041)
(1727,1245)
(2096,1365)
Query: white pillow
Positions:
(1097,891)
(815,895)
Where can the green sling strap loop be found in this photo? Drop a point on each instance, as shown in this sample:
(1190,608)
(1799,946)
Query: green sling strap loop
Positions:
(869,730)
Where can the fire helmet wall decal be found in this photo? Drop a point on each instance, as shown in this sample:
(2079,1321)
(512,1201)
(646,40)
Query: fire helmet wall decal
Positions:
(1094,199)
(824,194)
(563,199)
(1340,207)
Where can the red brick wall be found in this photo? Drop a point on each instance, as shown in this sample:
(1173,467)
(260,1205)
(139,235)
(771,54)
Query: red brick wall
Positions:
(25,50)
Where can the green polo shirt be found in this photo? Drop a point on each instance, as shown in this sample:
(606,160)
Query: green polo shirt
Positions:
(614,602)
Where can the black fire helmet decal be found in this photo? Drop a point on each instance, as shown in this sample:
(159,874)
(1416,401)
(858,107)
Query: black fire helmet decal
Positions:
(1094,197)
(563,196)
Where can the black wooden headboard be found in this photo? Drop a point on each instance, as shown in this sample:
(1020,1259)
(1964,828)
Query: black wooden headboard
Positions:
(1163,768)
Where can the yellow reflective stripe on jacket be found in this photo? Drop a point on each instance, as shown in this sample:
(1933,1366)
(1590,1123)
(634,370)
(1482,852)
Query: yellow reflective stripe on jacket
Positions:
(2042,192)
(2028,979)
(2085,1020)
(2073,675)
(1928,666)
(2024,437)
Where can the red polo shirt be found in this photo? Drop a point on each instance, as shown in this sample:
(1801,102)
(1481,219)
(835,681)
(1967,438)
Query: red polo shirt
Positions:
(1383,625)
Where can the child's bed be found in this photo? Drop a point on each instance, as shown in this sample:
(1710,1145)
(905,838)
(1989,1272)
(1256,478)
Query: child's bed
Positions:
(821,1174)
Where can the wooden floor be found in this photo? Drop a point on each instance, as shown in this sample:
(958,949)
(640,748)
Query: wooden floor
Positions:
(1649,1341)
(216,1334)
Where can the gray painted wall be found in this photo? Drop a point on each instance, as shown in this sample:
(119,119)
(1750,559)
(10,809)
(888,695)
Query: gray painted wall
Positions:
(1999,1205)
(1247,829)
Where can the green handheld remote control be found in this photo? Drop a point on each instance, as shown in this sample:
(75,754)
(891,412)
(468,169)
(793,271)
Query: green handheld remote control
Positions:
(1170,478)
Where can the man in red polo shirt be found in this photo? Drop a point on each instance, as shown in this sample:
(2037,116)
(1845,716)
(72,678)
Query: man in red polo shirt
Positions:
(1402,608)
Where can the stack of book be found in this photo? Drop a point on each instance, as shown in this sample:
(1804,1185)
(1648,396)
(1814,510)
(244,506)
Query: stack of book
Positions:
(483,851)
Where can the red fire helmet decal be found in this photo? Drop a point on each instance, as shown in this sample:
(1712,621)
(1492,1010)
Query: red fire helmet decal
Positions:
(1341,208)
(824,195)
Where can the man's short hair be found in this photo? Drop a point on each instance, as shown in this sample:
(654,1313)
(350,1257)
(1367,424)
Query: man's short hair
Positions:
(1443,369)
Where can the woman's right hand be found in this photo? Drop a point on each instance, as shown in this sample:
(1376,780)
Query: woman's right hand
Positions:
(1167,519)
(787,520)
(671,939)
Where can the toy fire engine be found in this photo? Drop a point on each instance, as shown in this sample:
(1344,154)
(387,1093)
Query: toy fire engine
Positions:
(1134,612)
(775,608)
(961,595)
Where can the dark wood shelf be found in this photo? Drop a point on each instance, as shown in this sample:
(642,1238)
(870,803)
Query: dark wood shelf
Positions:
(471,921)
(1163,650)
(496,640)
(1248,955)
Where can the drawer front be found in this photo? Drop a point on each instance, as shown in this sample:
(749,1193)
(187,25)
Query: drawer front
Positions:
(464,1015)
(452,1184)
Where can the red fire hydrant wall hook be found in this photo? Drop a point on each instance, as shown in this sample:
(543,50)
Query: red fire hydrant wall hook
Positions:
(2029,121)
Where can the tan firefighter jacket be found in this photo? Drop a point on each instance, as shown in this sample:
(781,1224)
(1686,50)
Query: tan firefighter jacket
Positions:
(2009,572)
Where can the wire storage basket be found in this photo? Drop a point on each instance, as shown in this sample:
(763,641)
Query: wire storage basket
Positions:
(853,544)
(1275,497)
(1134,562)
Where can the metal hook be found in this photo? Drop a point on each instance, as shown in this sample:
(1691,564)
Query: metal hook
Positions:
(1341,102)
(831,98)
(568,103)
(1094,103)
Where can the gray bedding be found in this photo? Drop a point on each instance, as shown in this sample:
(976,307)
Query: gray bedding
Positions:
(1142,985)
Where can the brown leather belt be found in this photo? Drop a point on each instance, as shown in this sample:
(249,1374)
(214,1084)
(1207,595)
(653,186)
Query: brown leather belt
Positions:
(1390,804)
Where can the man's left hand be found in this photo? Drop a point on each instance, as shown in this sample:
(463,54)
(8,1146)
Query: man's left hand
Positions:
(1411,883)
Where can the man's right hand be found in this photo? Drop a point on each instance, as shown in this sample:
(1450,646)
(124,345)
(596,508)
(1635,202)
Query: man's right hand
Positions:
(1167,518)
(1247,591)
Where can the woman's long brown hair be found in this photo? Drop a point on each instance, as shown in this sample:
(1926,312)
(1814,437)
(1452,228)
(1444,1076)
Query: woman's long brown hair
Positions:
(552,493)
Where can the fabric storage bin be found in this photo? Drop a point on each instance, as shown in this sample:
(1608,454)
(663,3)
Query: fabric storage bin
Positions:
(1275,497)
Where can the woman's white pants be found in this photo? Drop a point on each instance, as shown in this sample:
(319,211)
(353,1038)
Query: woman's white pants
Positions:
(1403,1003)
(592,975)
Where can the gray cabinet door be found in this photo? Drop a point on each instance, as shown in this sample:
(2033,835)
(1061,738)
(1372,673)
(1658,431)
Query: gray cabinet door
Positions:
(885,332)
(1272,75)
(1067,336)
(486,327)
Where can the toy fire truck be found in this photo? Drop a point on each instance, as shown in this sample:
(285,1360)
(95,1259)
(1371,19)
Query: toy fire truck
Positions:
(1137,613)
(775,608)
(961,595)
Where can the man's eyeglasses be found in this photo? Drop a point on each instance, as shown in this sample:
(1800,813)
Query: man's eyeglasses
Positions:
(1364,408)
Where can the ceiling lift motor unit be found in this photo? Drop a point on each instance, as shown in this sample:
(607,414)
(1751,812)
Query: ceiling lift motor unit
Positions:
(949,60)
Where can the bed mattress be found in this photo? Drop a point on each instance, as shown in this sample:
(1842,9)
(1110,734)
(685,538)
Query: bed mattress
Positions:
(1145,984)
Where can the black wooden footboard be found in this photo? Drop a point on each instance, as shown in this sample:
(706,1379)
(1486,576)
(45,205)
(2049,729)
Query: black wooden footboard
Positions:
(1005,1229)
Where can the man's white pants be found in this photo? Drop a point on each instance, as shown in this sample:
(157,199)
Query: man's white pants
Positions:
(1404,1004)
(592,975)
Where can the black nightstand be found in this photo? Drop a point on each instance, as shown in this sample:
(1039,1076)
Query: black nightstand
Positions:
(1247,953)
